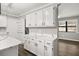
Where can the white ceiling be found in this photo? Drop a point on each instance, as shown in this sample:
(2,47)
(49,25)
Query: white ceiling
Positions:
(18,8)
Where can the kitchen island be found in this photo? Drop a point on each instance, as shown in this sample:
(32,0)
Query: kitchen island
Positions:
(9,46)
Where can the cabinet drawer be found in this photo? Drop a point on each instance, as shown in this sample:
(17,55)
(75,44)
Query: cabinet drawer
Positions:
(49,43)
(40,41)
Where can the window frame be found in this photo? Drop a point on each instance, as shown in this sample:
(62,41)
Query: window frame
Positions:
(66,19)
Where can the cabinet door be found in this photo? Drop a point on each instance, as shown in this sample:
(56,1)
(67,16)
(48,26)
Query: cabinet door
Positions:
(40,48)
(48,48)
(33,47)
(28,20)
(33,19)
(27,45)
(48,16)
(20,29)
(48,51)
(39,18)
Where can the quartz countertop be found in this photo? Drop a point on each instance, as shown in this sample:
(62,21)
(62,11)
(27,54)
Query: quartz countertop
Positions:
(8,42)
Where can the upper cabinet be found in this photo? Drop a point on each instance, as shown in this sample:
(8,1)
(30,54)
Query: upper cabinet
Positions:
(34,19)
(48,16)
(41,18)
(28,24)
(3,21)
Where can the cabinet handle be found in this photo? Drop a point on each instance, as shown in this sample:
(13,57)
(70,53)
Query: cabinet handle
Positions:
(43,23)
(45,47)
(29,24)
(36,44)
(48,43)
(35,24)
(32,39)
(35,13)
(40,41)
(29,42)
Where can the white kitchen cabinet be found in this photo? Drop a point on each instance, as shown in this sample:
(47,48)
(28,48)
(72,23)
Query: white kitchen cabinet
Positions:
(42,18)
(33,19)
(39,18)
(30,45)
(20,29)
(3,21)
(28,24)
(27,45)
(33,47)
(39,45)
(48,51)
(40,48)
(48,16)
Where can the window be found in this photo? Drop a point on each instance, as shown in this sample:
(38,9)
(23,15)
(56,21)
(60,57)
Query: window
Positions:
(68,25)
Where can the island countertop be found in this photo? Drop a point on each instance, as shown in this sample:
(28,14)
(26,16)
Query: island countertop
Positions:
(9,42)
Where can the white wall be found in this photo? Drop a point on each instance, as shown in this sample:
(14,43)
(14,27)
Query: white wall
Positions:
(68,9)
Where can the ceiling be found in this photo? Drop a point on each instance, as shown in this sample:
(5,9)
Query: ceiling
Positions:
(17,9)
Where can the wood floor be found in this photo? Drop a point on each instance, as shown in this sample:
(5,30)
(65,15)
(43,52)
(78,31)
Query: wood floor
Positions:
(68,48)
(23,52)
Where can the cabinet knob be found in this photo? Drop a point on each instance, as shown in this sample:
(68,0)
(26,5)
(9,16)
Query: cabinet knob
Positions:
(35,13)
(29,24)
(43,23)
(32,39)
(40,41)
(48,43)
(35,24)
(45,47)
(36,44)
(7,32)
(29,42)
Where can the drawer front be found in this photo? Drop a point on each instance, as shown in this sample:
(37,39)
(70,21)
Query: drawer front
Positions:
(49,43)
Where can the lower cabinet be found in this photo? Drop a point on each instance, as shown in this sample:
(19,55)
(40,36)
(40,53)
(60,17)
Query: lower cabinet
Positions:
(39,47)
(48,51)
(27,45)
(33,47)
(48,48)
